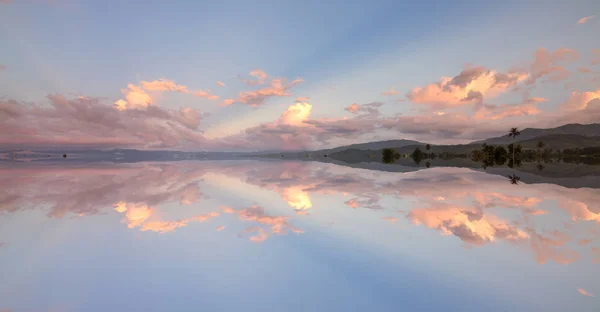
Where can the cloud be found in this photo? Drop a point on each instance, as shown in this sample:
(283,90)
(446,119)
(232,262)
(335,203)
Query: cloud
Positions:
(391,91)
(468,224)
(221,84)
(595,57)
(496,112)
(391,220)
(163,227)
(5,1)
(227,210)
(136,98)
(260,76)
(551,247)
(585,70)
(302,99)
(586,19)
(296,114)
(206,95)
(91,123)
(164,85)
(546,65)
(220,228)
(2,67)
(258,97)
(296,197)
(278,225)
(370,108)
(585,292)
(580,100)
(467,88)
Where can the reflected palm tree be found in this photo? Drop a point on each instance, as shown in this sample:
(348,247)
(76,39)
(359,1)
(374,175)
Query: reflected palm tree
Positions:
(540,166)
(514,179)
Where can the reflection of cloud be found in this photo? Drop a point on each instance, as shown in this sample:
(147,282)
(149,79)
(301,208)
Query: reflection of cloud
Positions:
(296,198)
(391,220)
(278,225)
(468,224)
(169,226)
(585,292)
(551,247)
(596,253)
(135,213)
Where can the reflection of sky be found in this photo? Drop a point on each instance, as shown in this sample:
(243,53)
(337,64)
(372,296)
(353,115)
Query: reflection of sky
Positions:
(291,236)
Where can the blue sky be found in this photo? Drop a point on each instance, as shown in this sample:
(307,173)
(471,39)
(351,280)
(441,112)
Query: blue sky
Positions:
(346,52)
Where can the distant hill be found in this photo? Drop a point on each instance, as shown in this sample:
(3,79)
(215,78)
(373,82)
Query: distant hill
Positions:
(532,133)
(373,145)
(561,141)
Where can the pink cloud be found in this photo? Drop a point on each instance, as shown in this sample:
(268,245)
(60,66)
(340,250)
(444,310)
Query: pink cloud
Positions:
(586,19)
(391,220)
(595,57)
(136,98)
(391,91)
(277,224)
(206,95)
(585,70)
(580,100)
(585,292)
(302,99)
(468,224)
(5,1)
(89,122)
(370,108)
(467,88)
(164,85)
(546,64)
(220,228)
(495,112)
(260,76)
(258,97)
(220,84)
(2,67)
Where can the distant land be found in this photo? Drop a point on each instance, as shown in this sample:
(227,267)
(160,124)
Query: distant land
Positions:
(566,136)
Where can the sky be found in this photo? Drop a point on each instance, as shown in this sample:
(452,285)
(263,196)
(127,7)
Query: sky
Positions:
(159,236)
(267,75)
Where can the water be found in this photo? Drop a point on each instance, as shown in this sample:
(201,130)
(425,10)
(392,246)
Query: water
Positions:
(251,235)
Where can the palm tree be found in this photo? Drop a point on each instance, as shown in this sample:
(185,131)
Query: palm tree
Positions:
(514,132)
(514,179)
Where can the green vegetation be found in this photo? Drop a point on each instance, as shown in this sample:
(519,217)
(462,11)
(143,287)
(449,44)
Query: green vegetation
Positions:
(389,156)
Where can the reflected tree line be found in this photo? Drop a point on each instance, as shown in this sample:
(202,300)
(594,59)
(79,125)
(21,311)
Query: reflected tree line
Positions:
(511,155)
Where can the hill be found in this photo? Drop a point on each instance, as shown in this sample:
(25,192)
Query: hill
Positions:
(561,141)
(532,133)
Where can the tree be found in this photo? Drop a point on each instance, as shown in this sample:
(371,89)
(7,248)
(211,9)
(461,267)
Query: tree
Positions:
(540,145)
(417,155)
(428,148)
(514,132)
(388,155)
(514,179)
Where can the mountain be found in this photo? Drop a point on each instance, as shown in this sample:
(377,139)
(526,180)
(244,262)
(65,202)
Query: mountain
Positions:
(373,145)
(561,141)
(532,133)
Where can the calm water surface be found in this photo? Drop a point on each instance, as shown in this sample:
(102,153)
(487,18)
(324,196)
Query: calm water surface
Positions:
(292,236)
